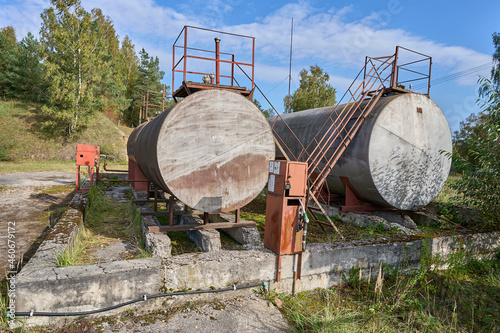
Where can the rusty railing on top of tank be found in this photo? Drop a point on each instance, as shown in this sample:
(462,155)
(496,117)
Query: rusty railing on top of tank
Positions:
(380,75)
(189,53)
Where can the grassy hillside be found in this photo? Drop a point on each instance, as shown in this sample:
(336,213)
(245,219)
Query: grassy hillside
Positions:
(23,139)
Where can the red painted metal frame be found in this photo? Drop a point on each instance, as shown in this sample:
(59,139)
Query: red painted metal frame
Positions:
(185,56)
(352,200)
(87,155)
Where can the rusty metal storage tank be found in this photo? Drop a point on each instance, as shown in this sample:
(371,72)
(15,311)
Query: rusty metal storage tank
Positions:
(396,157)
(211,150)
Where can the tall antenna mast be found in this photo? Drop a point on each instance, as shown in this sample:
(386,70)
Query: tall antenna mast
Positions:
(290,70)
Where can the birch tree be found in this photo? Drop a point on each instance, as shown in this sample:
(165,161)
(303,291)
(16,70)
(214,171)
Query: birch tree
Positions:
(314,91)
(76,59)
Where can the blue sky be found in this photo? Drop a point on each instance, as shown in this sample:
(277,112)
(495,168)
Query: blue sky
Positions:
(335,35)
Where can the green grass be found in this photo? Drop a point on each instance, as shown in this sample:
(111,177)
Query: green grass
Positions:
(36,165)
(106,221)
(181,243)
(464,298)
(73,255)
(256,211)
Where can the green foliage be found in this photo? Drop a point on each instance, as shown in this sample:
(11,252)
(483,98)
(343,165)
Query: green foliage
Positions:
(21,70)
(77,69)
(8,51)
(314,91)
(495,70)
(267,113)
(76,48)
(480,185)
(462,298)
(27,71)
(470,128)
(4,150)
(148,78)
(74,251)
(86,69)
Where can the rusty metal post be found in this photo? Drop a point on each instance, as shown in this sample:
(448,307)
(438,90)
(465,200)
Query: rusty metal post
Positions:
(253,62)
(217,59)
(232,71)
(171,210)
(156,200)
(173,67)
(185,53)
(237,216)
(394,66)
(278,268)
(429,79)
(364,72)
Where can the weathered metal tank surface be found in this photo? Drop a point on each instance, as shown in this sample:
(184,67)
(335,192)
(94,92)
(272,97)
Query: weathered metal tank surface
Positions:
(211,150)
(396,157)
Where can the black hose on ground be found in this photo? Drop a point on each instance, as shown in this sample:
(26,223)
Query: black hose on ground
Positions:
(146,297)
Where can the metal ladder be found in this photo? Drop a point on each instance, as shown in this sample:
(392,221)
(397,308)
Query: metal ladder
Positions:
(347,121)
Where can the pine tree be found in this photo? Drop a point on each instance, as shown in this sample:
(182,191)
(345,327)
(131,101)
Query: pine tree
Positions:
(27,70)
(8,54)
(148,78)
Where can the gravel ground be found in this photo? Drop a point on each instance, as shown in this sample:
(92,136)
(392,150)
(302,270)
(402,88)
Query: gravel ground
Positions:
(249,314)
(24,197)
(26,200)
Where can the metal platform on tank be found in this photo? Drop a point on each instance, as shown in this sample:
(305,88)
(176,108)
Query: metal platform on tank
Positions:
(189,87)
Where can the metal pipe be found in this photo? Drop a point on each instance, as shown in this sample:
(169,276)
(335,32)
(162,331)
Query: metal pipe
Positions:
(185,55)
(232,70)
(104,165)
(217,58)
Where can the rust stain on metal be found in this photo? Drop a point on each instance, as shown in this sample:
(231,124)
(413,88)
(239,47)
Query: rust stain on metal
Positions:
(222,188)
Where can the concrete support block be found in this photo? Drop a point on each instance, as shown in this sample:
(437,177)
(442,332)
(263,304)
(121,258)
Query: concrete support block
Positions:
(158,244)
(248,237)
(367,220)
(207,240)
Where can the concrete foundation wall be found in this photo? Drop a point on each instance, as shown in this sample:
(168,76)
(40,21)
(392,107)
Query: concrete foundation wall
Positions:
(90,287)
(83,288)
(323,265)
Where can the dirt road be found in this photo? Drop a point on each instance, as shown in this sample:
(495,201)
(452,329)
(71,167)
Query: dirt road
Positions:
(29,202)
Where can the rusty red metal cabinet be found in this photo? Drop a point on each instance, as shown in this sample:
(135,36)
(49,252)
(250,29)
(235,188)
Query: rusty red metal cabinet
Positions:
(287,186)
(87,155)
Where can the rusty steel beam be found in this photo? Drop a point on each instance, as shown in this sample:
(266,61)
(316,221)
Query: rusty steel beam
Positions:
(186,227)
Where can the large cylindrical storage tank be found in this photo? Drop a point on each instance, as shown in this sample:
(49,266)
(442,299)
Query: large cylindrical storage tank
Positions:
(396,159)
(211,150)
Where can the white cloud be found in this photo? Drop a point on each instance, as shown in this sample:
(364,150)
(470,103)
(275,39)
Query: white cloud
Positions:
(328,37)
(142,18)
(23,15)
